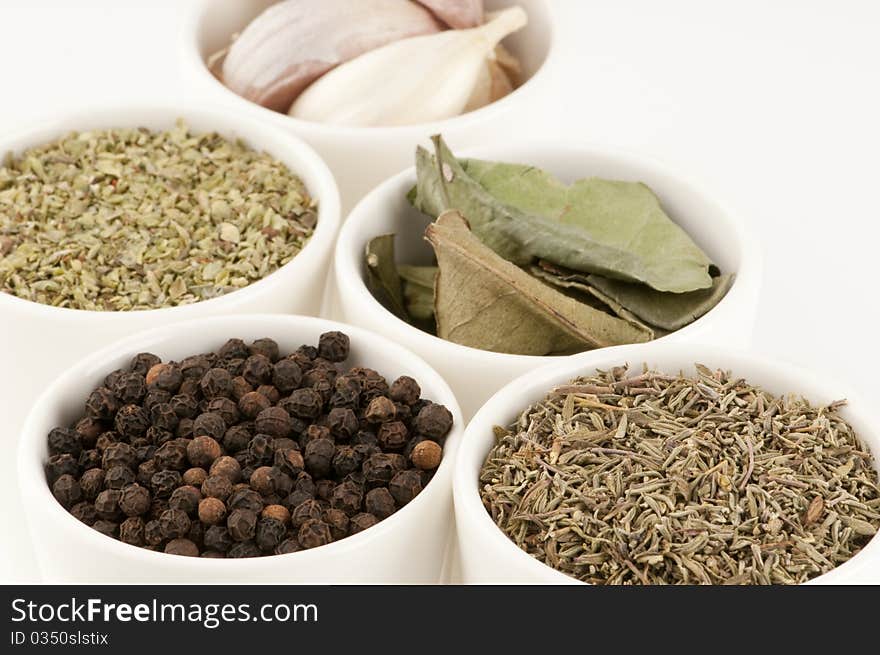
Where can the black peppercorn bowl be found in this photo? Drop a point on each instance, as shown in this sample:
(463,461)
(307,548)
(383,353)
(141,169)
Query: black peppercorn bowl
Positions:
(409,546)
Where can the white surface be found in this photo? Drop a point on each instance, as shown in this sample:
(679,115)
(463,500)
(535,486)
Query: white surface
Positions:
(476,374)
(487,556)
(407,547)
(773,105)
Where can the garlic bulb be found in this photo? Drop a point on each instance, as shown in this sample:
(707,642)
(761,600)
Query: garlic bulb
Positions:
(294,42)
(458,14)
(414,80)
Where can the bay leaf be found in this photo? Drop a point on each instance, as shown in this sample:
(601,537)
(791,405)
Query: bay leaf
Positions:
(418,290)
(582,291)
(483,301)
(670,311)
(383,279)
(611,228)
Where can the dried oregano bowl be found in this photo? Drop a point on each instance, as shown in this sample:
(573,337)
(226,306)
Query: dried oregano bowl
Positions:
(41,339)
(406,547)
(490,556)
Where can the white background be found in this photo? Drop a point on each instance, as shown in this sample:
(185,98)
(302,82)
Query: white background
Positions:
(773,105)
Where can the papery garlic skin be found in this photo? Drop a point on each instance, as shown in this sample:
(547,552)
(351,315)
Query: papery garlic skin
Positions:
(458,14)
(415,80)
(292,43)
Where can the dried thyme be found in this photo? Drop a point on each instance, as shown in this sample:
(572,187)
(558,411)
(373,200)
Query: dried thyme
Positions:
(655,479)
(127,219)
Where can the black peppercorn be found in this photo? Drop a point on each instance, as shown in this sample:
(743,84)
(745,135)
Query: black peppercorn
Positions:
(91,483)
(211,510)
(318,456)
(362,521)
(145,472)
(217,538)
(240,387)
(63,464)
(379,502)
(131,531)
(172,455)
(295,498)
(266,347)
(119,454)
(67,491)
(308,509)
(289,460)
(252,403)
(433,421)
(65,441)
(117,477)
(107,504)
(84,512)
(202,451)
(333,346)
(405,390)
(153,532)
(155,397)
(135,500)
(227,409)
(166,377)
(233,348)
(89,429)
(183,547)
(342,422)
(286,375)
(194,476)
(189,387)
(290,545)
(228,467)
(185,498)
(393,435)
(314,533)
(209,424)
(184,431)
(347,497)
(241,524)
(163,416)
(194,366)
(257,370)
(216,383)
(378,469)
(305,403)
(259,450)
(273,421)
(217,486)
(405,485)
(245,499)
(269,533)
(184,405)
(102,404)
(174,523)
(143,362)
(244,549)
(106,527)
(346,460)
(89,459)
(236,438)
(233,365)
(337,521)
(164,482)
(365,438)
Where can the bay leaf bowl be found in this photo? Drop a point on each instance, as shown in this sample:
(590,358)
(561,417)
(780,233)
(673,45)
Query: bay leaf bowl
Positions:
(407,547)
(476,374)
(363,156)
(488,556)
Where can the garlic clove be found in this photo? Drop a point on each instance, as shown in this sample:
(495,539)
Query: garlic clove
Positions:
(493,84)
(414,80)
(294,42)
(458,14)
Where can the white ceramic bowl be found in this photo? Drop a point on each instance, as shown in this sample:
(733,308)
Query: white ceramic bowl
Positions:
(488,556)
(38,341)
(477,374)
(407,547)
(361,157)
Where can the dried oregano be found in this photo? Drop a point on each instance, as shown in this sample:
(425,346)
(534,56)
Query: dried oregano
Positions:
(127,219)
(655,479)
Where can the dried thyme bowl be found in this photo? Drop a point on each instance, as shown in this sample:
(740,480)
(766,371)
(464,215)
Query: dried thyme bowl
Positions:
(78,274)
(790,491)
(406,547)
(476,374)
(361,157)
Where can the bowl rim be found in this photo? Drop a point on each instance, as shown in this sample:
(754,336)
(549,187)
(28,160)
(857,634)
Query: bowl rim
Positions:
(349,273)
(34,487)
(271,140)
(468,505)
(192,58)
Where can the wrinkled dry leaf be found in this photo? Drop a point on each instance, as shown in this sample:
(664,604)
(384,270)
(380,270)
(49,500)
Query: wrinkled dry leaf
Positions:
(615,229)
(483,301)
(418,290)
(383,279)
